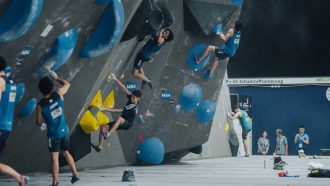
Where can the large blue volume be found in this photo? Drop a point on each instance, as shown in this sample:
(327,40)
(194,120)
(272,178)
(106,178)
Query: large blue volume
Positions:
(151,151)
(196,52)
(60,53)
(107,32)
(19,18)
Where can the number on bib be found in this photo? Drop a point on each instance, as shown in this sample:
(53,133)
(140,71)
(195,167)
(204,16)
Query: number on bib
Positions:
(56,113)
(12,97)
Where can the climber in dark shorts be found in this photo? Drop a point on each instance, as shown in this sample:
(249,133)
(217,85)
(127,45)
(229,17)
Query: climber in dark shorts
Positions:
(231,39)
(123,122)
(145,54)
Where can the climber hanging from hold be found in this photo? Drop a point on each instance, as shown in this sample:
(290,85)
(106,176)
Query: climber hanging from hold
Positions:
(125,120)
(145,54)
(231,39)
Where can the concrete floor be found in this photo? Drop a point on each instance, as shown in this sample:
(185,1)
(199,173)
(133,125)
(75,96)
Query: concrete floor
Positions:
(222,171)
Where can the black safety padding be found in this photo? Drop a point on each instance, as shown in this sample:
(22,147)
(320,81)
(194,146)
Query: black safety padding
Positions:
(80,145)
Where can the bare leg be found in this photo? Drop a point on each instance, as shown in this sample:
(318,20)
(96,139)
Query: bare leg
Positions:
(214,65)
(5,169)
(140,75)
(246,146)
(119,121)
(209,48)
(70,161)
(55,166)
(103,129)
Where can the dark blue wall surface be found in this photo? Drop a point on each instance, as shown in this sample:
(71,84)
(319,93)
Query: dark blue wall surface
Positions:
(286,108)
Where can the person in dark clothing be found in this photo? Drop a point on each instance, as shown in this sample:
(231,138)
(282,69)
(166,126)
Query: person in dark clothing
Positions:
(125,120)
(145,54)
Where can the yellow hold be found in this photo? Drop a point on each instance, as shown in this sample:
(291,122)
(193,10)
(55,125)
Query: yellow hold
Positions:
(102,118)
(227,127)
(97,100)
(88,123)
(109,101)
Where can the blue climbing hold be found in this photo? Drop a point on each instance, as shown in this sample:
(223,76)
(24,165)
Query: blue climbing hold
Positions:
(151,151)
(60,53)
(197,51)
(28,108)
(218,28)
(7,71)
(19,18)
(205,111)
(190,97)
(107,32)
(238,3)
(20,92)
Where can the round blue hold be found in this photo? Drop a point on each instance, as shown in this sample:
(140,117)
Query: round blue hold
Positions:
(190,97)
(218,28)
(197,51)
(7,71)
(28,108)
(151,151)
(205,111)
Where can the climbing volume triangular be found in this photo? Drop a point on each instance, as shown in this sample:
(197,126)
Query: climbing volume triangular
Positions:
(102,118)
(97,100)
(109,101)
(88,123)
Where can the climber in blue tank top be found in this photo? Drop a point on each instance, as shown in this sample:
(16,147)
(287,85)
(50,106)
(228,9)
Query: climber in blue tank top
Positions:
(147,51)
(246,124)
(7,105)
(231,39)
(51,110)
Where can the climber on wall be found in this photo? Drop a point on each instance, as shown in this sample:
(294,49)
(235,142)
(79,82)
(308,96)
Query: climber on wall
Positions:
(51,110)
(246,125)
(145,54)
(125,120)
(6,101)
(231,39)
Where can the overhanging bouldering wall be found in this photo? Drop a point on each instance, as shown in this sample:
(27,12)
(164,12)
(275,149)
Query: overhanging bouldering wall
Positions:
(179,131)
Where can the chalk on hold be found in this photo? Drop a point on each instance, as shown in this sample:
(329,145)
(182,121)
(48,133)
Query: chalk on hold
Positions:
(195,52)
(102,118)
(20,92)
(151,151)
(28,108)
(88,122)
(97,100)
(190,97)
(205,111)
(109,101)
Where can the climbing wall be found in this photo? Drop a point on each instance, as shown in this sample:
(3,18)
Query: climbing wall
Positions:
(70,37)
